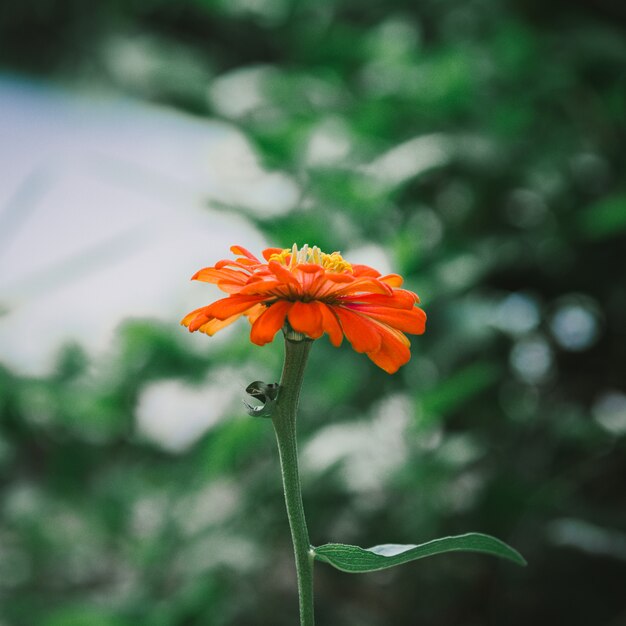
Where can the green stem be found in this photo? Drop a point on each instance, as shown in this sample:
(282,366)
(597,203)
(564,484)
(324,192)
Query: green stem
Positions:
(284,420)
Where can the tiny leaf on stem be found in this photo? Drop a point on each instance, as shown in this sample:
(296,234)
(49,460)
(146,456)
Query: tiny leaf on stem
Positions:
(265,393)
(355,560)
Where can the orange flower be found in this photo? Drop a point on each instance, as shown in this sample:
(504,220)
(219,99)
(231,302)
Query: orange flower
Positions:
(313,293)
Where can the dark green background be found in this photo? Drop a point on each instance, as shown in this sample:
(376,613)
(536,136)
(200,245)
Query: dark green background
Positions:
(531,98)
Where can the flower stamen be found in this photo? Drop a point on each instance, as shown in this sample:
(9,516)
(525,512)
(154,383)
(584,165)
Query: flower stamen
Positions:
(292,257)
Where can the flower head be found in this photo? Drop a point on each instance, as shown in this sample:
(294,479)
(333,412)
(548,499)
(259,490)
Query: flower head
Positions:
(310,292)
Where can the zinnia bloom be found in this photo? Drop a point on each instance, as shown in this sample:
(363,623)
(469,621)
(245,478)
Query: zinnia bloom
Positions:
(313,293)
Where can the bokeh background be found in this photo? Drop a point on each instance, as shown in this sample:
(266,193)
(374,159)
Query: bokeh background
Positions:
(475,146)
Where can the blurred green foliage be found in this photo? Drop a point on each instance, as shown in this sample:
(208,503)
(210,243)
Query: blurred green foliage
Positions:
(502,201)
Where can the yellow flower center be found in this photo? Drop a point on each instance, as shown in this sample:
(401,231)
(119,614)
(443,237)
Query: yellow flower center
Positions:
(292,257)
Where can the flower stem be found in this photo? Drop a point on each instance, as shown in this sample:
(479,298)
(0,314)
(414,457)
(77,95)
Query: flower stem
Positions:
(284,420)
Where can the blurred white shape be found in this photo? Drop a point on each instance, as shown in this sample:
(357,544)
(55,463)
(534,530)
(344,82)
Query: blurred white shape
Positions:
(240,92)
(238,179)
(428,228)
(460,449)
(395,38)
(370,254)
(384,77)
(148,515)
(532,359)
(411,158)
(329,142)
(174,415)
(368,451)
(526,208)
(264,11)
(516,314)
(609,410)
(149,64)
(462,493)
(591,171)
(459,271)
(575,323)
(582,535)
(217,549)
(213,504)
(455,201)
(23,501)
(104,215)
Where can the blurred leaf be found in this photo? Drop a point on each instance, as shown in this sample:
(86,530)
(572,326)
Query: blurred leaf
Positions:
(231,442)
(460,387)
(84,617)
(355,560)
(604,218)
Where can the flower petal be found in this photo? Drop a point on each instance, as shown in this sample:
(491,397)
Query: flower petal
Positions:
(393,353)
(306,317)
(224,308)
(212,326)
(269,322)
(339,278)
(260,287)
(331,325)
(393,280)
(399,299)
(243,252)
(409,321)
(268,252)
(363,285)
(213,275)
(254,313)
(361,332)
(310,268)
(283,274)
(364,270)
(188,319)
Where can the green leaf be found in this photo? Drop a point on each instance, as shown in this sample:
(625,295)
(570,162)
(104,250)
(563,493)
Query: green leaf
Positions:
(355,560)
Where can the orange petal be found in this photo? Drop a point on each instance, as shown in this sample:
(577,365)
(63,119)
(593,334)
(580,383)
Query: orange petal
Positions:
(361,332)
(393,280)
(254,313)
(393,353)
(268,252)
(364,270)
(228,286)
(365,285)
(269,322)
(409,321)
(187,320)
(213,275)
(310,268)
(399,299)
(260,287)
(306,317)
(283,274)
(241,263)
(224,308)
(410,294)
(244,252)
(212,326)
(339,278)
(331,325)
